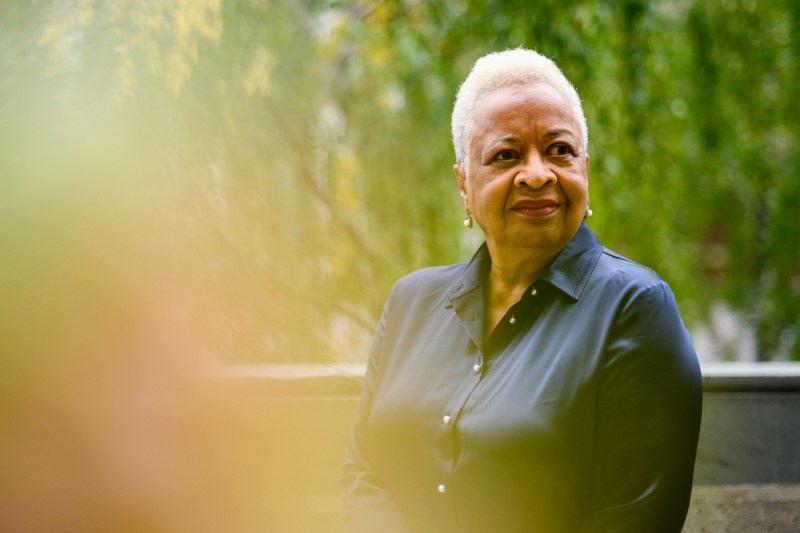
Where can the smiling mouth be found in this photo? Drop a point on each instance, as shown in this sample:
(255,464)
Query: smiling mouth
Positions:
(535,209)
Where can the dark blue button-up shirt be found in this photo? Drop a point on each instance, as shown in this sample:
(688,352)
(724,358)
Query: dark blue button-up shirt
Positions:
(580,412)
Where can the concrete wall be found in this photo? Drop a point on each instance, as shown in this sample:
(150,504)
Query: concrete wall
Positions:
(747,473)
(289,427)
(750,432)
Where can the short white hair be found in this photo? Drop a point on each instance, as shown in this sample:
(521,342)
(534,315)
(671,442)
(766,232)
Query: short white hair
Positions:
(503,69)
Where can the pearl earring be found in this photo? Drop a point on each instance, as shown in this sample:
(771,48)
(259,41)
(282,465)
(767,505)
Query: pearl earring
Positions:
(588,212)
(468,220)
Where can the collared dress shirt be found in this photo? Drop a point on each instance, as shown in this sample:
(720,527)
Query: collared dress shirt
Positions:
(580,412)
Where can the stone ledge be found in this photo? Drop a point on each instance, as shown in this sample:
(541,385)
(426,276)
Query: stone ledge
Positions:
(345,379)
(730,509)
(751,377)
(292,379)
(744,509)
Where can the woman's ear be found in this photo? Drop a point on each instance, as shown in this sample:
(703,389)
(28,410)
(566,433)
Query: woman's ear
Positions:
(461,178)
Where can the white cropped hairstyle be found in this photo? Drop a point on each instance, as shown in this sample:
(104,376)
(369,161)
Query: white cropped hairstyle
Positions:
(504,69)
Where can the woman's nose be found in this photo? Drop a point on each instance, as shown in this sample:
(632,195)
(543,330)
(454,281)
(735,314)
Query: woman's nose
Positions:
(534,172)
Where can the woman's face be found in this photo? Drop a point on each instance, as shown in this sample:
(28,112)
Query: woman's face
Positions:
(525,179)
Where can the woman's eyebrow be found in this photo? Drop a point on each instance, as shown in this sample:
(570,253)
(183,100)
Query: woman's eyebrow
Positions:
(508,139)
(558,133)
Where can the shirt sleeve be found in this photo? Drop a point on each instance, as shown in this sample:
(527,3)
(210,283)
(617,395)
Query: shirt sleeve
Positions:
(647,423)
(366,504)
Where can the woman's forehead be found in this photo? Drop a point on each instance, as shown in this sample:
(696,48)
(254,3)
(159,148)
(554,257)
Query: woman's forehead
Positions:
(537,99)
(518,105)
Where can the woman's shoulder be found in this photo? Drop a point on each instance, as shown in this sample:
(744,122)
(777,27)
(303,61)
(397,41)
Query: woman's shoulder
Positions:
(426,288)
(429,279)
(640,301)
(617,271)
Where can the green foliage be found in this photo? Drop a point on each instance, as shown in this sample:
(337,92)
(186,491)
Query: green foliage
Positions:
(310,141)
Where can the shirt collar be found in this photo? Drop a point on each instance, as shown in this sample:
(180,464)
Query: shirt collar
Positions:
(569,272)
(572,267)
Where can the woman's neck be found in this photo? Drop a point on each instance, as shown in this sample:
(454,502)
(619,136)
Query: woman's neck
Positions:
(509,277)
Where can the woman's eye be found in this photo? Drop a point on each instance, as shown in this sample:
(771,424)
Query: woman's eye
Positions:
(505,155)
(560,149)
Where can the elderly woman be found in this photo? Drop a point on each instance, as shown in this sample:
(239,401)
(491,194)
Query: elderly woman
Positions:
(546,385)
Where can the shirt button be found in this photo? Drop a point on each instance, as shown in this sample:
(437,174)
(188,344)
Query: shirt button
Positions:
(441,489)
(512,320)
(446,419)
(477,369)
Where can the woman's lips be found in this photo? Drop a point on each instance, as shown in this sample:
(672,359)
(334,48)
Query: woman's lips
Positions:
(535,208)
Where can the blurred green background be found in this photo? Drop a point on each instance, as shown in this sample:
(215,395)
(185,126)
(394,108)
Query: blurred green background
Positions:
(293,158)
